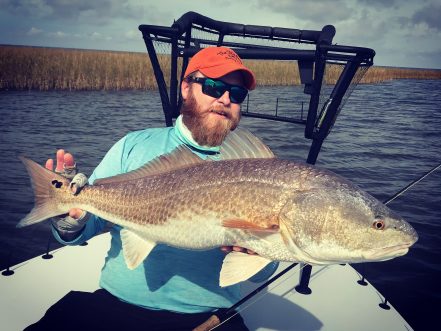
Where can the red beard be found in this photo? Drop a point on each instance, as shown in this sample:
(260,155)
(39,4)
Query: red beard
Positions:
(206,132)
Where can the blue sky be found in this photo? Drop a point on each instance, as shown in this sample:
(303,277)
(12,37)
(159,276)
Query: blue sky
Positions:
(404,33)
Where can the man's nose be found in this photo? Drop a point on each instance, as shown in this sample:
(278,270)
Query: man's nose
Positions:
(225,98)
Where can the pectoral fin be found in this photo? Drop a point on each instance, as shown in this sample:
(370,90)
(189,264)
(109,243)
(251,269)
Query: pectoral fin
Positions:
(135,248)
(238,267)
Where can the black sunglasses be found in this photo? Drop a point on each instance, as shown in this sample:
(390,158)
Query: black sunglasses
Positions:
(216,88)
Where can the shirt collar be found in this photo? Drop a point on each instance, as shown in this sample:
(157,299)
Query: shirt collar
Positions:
(185,135)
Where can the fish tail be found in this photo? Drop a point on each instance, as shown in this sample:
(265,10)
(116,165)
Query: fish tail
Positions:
(43,182)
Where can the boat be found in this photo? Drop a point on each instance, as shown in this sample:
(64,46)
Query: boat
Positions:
(297,297)
(339,300)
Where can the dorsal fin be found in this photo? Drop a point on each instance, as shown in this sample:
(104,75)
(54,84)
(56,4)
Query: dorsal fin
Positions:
(179,158)
(239,144)
(242,144)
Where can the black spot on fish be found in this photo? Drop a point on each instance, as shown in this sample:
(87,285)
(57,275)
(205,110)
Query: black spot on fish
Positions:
(56,183)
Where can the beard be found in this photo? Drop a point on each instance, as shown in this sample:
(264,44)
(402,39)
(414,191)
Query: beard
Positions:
(205,132)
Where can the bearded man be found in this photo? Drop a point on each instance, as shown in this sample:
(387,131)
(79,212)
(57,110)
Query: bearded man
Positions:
(173,289)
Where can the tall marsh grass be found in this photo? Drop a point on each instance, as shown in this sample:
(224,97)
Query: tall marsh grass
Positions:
(36,68)
(66,69)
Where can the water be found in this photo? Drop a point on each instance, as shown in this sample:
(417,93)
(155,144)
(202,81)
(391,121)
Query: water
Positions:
(386,136)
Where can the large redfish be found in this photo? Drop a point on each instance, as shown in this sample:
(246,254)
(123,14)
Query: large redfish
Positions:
(282,210)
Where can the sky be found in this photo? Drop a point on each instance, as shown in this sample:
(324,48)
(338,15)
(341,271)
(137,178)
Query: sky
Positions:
(404,33)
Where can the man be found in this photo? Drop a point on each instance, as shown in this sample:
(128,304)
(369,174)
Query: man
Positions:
(173,289)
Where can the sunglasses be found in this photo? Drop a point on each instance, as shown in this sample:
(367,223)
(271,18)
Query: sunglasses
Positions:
(216,88)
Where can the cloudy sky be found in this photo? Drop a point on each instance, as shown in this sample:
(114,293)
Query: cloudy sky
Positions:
(404,33)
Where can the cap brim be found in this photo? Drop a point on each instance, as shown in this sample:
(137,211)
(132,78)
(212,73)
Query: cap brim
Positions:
(219,71)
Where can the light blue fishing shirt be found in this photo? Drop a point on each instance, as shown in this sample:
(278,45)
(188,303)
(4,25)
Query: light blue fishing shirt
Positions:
(171,279)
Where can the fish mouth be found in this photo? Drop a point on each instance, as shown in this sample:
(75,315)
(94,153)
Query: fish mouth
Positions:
(387,253)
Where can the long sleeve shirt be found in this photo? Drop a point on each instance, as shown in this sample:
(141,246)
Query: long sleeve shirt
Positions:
(170,278)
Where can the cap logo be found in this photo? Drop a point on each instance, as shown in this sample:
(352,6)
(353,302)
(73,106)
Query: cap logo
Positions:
(230,55)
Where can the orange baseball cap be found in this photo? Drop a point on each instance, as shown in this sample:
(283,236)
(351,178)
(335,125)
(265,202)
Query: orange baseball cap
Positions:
(215,62)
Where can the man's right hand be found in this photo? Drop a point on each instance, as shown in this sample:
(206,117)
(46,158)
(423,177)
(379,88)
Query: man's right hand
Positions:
(65,161)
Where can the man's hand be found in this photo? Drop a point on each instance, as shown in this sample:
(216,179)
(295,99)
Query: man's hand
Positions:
(65,163)
(228,249)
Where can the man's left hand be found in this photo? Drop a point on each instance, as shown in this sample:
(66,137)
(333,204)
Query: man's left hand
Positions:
(228,249)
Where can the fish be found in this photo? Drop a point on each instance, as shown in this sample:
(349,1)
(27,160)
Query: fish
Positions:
(283,210)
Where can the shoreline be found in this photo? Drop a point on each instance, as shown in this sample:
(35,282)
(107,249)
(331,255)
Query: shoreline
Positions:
(48,68)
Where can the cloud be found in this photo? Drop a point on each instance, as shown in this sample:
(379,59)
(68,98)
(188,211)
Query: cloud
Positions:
(421,58)
(430,15)
(316,11)
(378,3)
(34,31)
(396,29)
(58,34)
(132,34)
(98,36)
(75,10)
(363,28)
(35,8)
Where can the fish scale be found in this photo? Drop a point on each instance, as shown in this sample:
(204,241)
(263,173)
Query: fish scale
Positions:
(237,195)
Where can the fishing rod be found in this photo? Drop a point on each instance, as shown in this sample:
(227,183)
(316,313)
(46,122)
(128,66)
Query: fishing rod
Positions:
(396,195)
(221,317)
(217,319)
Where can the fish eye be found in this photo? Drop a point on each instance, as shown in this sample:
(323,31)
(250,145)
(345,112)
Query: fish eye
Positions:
(379,224)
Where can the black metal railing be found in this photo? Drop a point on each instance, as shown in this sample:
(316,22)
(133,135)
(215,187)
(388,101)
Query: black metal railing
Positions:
(193,31)
(311,50)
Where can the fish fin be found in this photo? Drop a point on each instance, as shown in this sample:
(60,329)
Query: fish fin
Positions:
(179,158)
(242,144)
(238,267)
(247,225)
(239,144)
(135,248)
(45,206)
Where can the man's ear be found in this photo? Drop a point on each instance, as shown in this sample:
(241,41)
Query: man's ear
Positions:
(185,87)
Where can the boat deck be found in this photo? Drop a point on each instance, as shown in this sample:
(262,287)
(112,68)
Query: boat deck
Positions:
(337,301)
